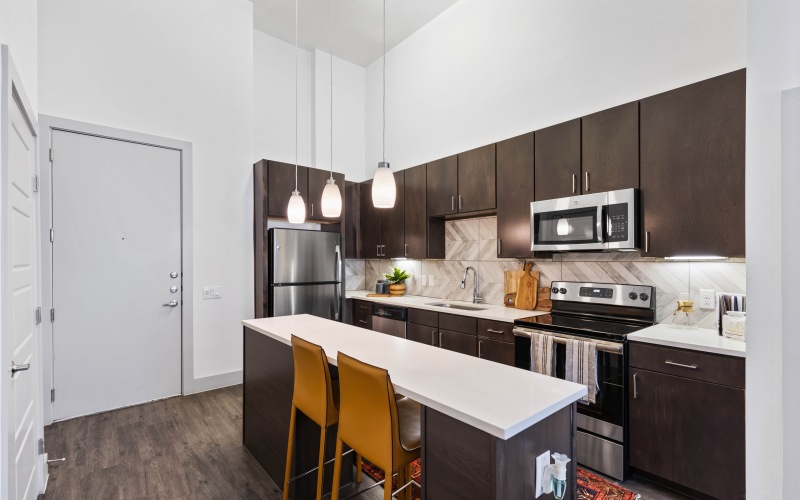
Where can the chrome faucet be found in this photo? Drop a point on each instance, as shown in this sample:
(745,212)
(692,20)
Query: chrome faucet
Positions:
(476,299)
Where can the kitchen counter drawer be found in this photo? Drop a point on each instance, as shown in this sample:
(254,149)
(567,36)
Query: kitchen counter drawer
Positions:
(496,330)
(462,324)
(714,368)
(501,352)
(362,319)
(423,317)
(362,306)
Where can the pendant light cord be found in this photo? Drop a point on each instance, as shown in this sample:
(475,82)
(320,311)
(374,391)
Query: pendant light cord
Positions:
(296,16)
(384,81)
(331,89)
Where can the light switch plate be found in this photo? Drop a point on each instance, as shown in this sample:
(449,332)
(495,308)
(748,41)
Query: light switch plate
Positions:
(212,292)
(707,298)
(542,461)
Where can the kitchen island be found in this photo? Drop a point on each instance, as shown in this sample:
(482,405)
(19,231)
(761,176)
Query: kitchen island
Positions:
(483,423)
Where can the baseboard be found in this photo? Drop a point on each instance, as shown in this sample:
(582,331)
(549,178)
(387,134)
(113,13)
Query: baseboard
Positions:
(218,381)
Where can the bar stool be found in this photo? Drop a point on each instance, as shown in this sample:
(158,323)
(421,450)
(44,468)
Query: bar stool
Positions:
(318,398)
(380,428)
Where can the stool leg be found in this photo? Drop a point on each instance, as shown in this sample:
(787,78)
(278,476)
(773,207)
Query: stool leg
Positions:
(358,468)
(289,450)
(321,461)
(337,470)
(387,486)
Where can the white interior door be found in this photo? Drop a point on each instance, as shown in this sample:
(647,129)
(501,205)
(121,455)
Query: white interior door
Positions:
(20,402)
(116,212)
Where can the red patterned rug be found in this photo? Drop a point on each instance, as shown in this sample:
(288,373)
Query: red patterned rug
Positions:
(590,486)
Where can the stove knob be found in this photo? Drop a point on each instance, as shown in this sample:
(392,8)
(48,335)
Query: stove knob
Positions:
(563,290)
(644,296)
(632,295)
(554,290)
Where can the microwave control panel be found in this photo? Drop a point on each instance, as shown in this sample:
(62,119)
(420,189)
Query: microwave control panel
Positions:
(617,222)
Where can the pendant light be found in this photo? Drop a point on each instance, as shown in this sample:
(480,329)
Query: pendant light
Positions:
(296,211)
(331,196)
(384,190)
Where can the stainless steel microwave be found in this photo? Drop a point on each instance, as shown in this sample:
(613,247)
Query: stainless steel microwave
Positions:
(596,221)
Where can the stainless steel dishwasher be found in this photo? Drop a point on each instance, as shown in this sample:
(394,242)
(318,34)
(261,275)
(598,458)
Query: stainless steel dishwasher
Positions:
(390,320)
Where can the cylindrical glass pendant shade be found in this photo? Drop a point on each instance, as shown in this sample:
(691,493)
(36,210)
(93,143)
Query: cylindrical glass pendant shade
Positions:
(384,190)
(297,208)
(331,200)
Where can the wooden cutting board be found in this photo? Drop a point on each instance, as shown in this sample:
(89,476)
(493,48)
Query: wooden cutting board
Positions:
(543,302)
(511,279)
(526,289)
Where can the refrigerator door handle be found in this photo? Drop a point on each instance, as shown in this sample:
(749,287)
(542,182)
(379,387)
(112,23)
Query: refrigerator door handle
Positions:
(338,274)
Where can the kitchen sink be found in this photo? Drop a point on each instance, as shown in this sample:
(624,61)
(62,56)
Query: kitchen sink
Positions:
(456,306)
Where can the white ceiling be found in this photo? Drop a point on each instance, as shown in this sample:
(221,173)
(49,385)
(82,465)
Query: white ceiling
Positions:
(358,28)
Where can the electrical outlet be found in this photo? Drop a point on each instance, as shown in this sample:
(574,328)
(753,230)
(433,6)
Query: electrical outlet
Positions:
(542,461)
(707,298)
(423,280)
(430,280)
(212,292)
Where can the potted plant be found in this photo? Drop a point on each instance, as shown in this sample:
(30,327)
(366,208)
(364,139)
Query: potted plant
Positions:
(397,280)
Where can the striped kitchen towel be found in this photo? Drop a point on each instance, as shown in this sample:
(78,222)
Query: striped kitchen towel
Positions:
(542,354)
(729,302)
(581,366)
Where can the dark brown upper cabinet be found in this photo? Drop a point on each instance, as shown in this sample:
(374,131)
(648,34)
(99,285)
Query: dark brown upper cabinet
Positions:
(416,221)
(370,224)
(317,179)
(610,149)
(442,186)
(692,169)
(352,220)
(393,221)
(281,183)
(514,196)
(476,180)
(557,165)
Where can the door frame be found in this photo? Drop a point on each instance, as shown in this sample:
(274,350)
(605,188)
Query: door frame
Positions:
(47,124)
(12,90)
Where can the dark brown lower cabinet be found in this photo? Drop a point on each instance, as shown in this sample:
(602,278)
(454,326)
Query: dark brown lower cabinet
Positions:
(493,350)
(362,314)
(422,334)
(689,432)
(458,342)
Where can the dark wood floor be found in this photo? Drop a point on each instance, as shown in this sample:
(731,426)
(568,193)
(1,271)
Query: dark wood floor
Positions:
(183,447)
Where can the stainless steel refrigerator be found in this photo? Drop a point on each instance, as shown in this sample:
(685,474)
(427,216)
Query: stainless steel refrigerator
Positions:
(305,273)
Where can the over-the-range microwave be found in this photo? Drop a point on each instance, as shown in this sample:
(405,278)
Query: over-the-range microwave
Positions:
(596,221)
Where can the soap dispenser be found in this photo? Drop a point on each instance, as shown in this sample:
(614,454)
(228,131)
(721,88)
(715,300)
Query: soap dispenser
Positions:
(555,476)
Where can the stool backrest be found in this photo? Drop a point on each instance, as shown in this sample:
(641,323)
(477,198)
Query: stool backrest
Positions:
(367,410)
(313,390)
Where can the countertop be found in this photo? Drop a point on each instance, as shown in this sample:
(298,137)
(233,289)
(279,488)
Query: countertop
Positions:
(697,339)
(498,399)
(487,311)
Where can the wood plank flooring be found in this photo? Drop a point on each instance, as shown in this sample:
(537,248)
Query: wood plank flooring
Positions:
(178,448)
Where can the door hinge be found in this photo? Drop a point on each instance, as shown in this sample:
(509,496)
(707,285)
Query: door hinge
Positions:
(41,446)
(38,315)
(36,183)
(52,155)
(52,395)
(52,315)
(52,235)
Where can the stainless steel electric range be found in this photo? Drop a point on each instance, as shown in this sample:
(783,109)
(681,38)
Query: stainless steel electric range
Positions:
(605,314)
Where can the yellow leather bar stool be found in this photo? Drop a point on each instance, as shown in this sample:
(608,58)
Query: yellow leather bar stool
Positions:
(317,396)
(380,428)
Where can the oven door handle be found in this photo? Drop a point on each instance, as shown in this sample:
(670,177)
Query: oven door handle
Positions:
(610,347)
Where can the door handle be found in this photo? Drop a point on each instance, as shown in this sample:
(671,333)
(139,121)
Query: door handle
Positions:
(171,303)
(480,348)
(647,242)
(405,249)
(635,388)
(499,247)
(362,321)
(587,182)
(433,338)
(459,202)
(19,368)
(440,338)
(500,332)
(452,203)
(681,365)
(573,183)
(377,250)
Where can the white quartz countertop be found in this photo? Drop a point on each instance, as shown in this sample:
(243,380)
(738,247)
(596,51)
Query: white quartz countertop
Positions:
(697,339)
(486,311)
(498,399)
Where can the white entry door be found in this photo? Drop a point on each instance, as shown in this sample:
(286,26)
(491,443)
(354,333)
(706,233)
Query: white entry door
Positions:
(116,212)
(19,331)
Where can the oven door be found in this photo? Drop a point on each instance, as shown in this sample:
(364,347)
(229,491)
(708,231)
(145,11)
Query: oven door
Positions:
(575,223)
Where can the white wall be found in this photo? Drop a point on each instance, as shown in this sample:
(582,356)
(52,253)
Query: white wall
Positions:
(18,30)
(274,107)
(773,65)
(181,69)
(486,70)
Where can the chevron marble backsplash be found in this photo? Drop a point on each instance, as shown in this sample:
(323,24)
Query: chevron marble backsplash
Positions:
(473,242)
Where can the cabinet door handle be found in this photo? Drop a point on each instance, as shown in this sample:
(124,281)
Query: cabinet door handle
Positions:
(635,388)
(681,365)
(433,338)
(312,210)
(573,183)
(405,249)
(647,242)
(363,322)
(459,202)
(480,349)
(587,182)
(499,332)
(499,247)
(452,203)
(440,338)
(383,252)
(377,250)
